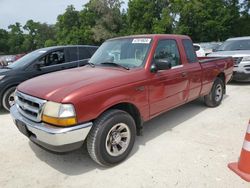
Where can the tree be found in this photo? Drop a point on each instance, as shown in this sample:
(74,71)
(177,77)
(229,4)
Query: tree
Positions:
(106,20)
(45,32)
(67,27)
(37,35)
(16,38)
(207,20)
(4,48)
(244,19)
(31,39)
(145,16)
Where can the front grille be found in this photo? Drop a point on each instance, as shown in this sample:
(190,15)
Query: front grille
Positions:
(30,107)
(237,60)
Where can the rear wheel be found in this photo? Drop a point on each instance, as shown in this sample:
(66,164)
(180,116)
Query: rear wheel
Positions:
(111,138)
(215,96)
(9,98)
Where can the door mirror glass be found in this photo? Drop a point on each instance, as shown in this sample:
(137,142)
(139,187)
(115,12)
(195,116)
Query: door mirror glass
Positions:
(160,64)
(196,48)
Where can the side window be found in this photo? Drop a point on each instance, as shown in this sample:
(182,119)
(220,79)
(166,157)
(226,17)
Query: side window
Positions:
(168,50)
(83,53)
(73,54)
(53,58)
(189,50)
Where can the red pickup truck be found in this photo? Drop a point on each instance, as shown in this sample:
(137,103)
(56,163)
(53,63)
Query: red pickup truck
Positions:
(128,81)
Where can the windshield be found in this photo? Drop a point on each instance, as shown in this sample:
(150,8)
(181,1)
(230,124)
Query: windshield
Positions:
(210,46)
(25,60)
(233,45)
(128,52)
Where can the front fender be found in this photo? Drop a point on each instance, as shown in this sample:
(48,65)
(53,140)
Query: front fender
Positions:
(91,107)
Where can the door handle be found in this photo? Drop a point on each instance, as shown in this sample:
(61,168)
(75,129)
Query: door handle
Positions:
(184,74)
(139,88)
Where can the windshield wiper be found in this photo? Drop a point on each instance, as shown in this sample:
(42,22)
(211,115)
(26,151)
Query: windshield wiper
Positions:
(114,64)
(237,49)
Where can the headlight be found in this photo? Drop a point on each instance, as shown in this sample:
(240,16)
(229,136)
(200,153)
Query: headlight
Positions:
(1,77)
(59,114)
(246,58)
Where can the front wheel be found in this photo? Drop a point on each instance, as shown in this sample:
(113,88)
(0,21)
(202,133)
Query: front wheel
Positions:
(8,99)
(215,96)
(111,138)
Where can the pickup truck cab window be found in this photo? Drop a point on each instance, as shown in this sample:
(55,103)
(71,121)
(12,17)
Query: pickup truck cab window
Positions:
(190,51)
(126,52)
(168,50)
(53,58)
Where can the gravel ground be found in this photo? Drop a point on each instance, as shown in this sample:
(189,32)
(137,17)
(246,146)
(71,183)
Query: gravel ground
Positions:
(186,147)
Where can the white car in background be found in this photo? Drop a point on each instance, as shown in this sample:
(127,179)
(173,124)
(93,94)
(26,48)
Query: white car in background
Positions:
(239,49)
(200,52)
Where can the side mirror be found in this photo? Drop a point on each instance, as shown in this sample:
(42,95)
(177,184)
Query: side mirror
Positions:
(196,48)
(160,64)
(38,66)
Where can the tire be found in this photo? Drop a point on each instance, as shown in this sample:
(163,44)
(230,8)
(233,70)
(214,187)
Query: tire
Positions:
(108,130)
(8,98)
(214,98)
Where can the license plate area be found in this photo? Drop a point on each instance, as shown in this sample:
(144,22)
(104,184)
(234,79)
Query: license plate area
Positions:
(22,128)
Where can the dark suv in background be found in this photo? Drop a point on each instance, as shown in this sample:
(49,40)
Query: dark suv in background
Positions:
(39,62)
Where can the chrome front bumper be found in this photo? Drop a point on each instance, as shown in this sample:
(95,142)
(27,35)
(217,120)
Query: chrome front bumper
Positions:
(46,135)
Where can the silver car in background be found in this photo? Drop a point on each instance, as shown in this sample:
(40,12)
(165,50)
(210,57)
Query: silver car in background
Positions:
(210,47)
(239,49)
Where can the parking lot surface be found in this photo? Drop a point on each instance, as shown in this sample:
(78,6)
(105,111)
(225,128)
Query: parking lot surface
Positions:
(187,147)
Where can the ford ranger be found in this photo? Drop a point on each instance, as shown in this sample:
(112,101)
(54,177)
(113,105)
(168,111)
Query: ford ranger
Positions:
(128,81)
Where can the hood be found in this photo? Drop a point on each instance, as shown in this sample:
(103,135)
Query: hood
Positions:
(238,53)
(63,85)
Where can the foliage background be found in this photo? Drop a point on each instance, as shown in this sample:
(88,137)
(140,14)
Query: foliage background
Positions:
(202,20)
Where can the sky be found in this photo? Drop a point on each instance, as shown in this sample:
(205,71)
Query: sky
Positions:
(12,11)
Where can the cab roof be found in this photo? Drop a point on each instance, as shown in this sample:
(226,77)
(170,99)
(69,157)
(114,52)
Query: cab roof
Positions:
(154,36)
(239,38)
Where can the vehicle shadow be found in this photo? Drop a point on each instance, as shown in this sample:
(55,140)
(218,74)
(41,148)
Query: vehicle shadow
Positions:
(167,121)
(79,162)
(234,83)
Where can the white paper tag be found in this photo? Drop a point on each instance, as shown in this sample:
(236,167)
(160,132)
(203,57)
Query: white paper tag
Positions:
(141,41)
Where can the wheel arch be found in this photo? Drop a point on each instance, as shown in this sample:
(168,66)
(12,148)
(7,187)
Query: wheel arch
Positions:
(4,91)
(222,76)
(132,110)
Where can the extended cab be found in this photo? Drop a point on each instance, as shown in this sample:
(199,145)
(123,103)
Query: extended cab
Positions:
(128,81)
(41,61)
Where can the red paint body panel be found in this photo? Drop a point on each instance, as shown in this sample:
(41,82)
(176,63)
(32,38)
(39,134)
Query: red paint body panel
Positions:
(94,90)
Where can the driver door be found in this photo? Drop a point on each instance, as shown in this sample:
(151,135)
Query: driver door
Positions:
(50,62)
(169,88)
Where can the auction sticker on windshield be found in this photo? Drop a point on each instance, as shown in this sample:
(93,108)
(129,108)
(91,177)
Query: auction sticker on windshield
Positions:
(141,41)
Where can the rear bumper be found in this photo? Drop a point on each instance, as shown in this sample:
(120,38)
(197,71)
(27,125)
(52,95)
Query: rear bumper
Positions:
(241,76)
(50,137)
